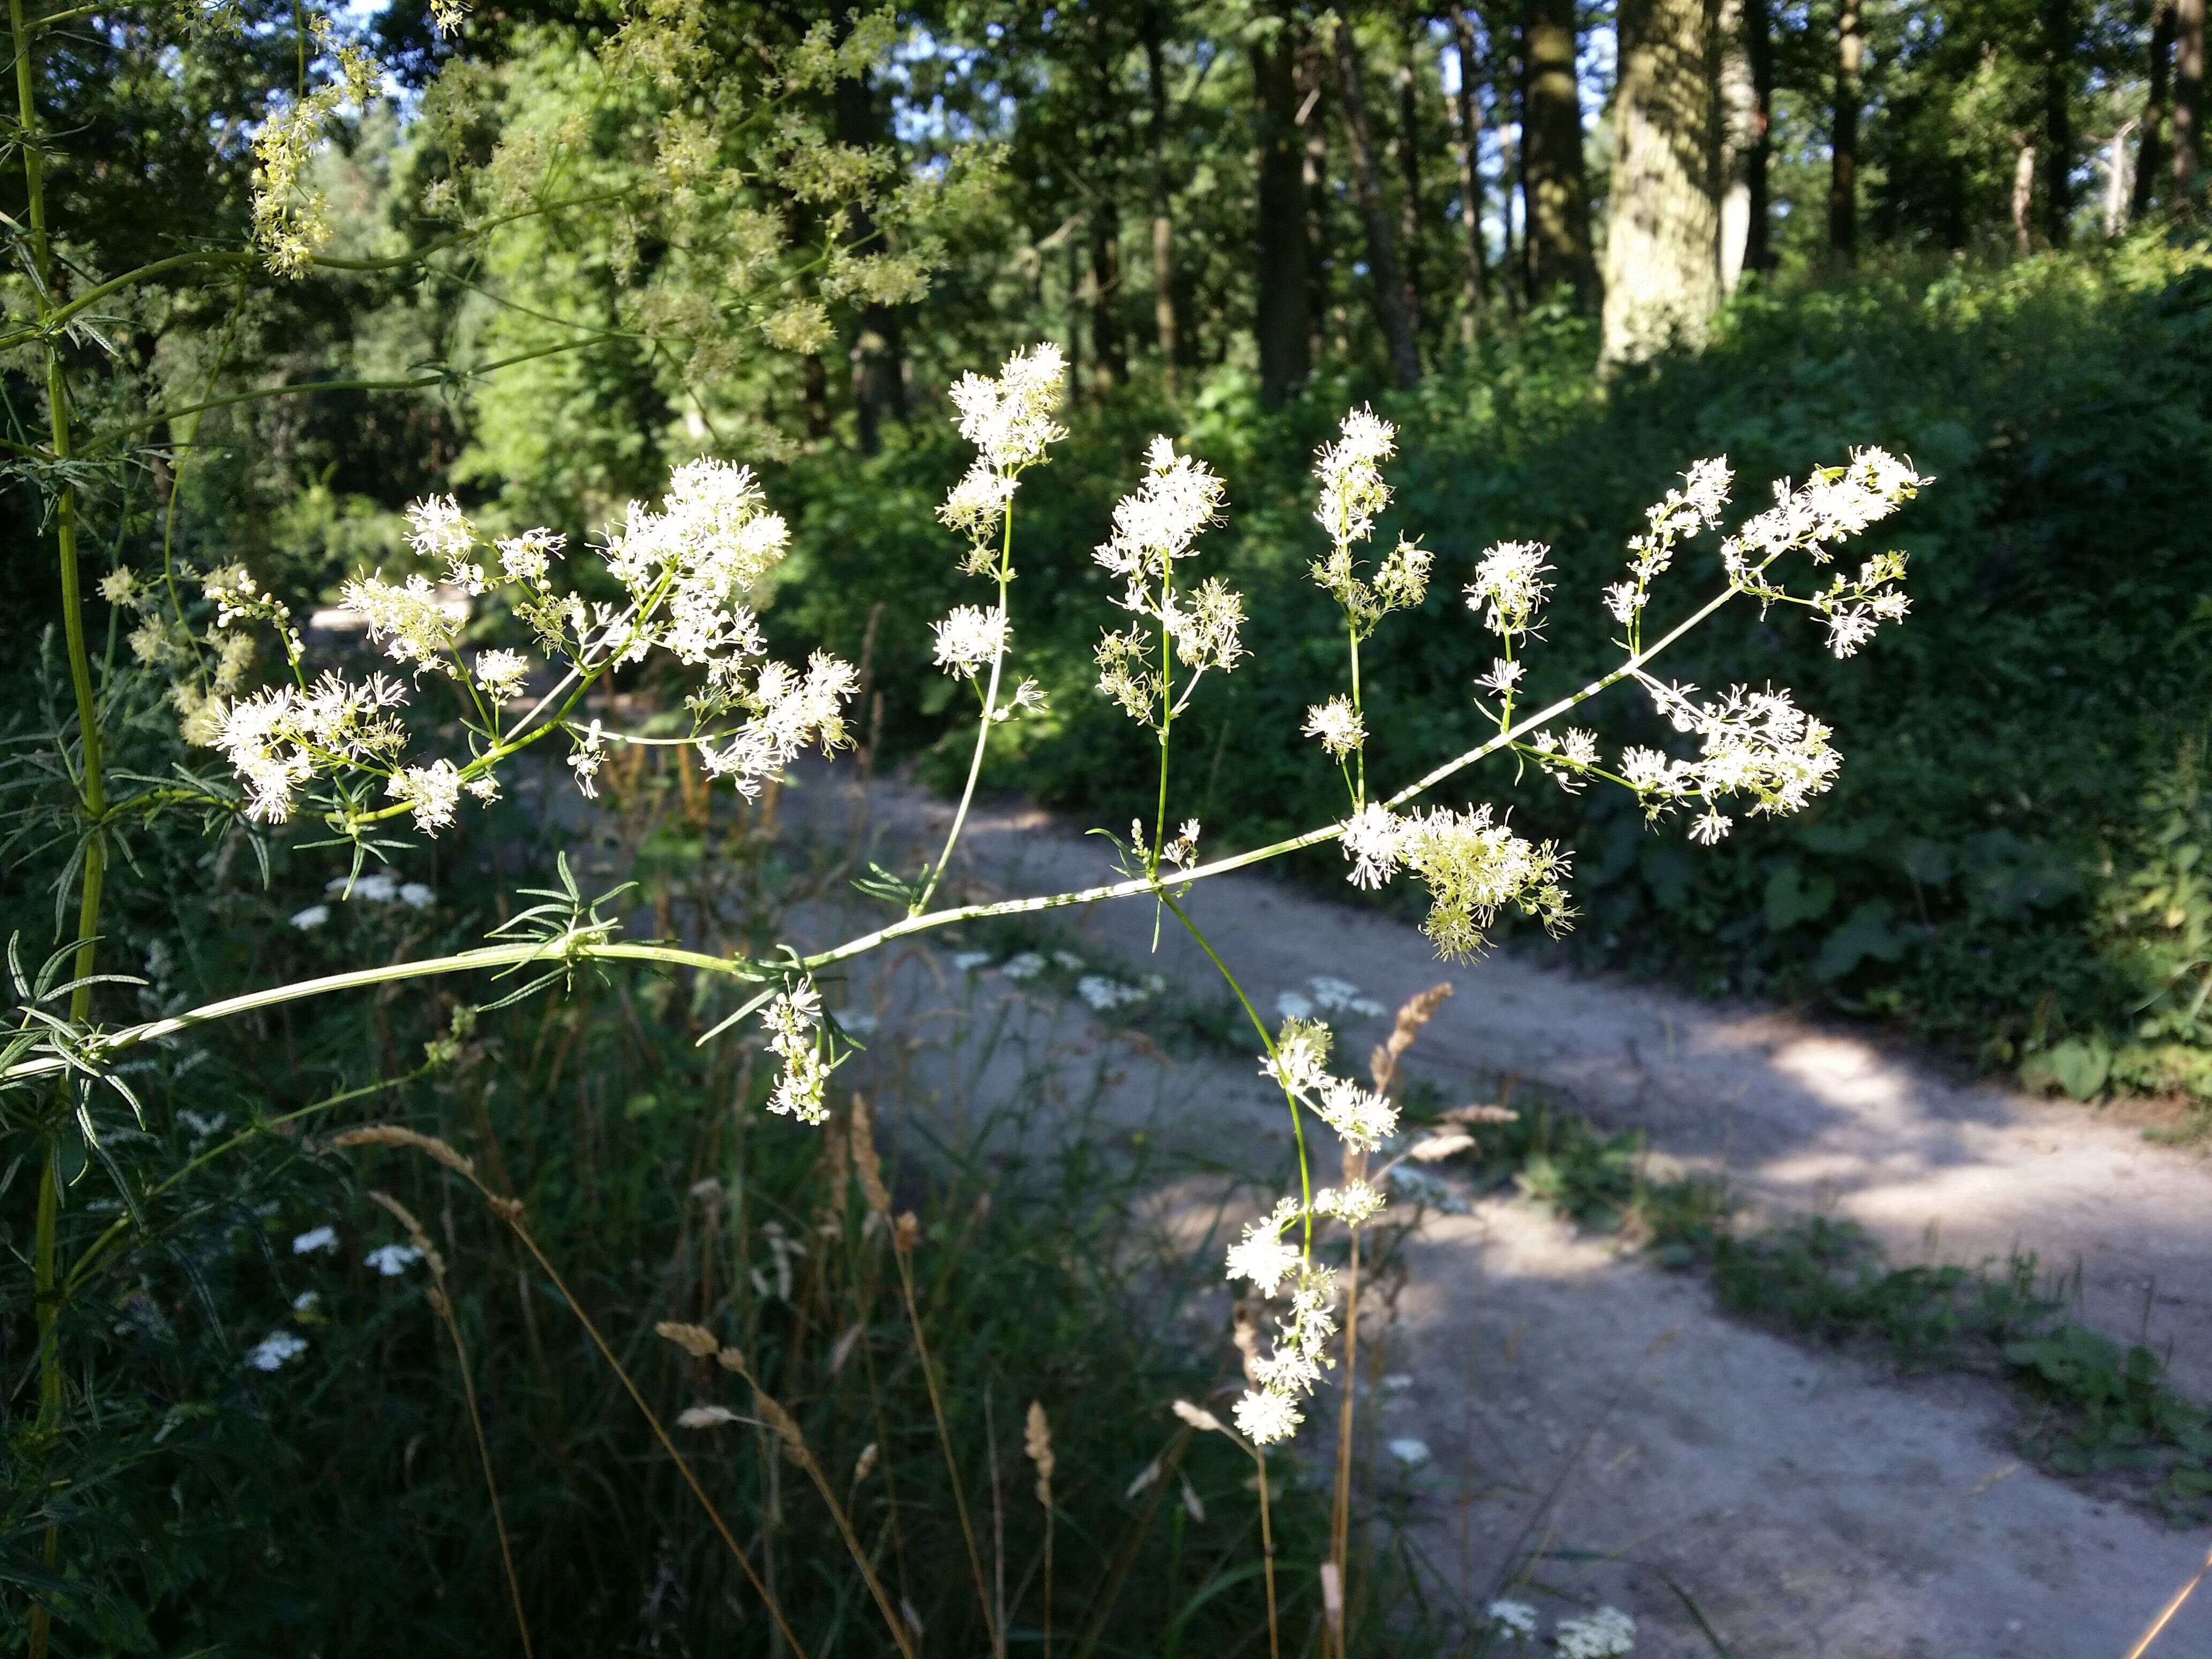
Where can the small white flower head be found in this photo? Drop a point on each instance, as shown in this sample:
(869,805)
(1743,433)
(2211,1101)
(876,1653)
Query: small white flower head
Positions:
(529,557)
(1261,1257)
(1266,1417)
(1104,995)
(312,917)
(1374,840)
(437,530)
(1361,1118)
(1009,419)
(1355,1204)
(1207,625)
(431,792)
(315,1241)
(123,589)
(970,639)
(275,1351)
(417,895)
(1609,1633)
(1566,757)
(413,623)
(1351,489)
(1509,588)
(1504,676)
(1182,851)
(1294,1004)
(1026,965)
(970,962)
(1338,725)
(1301,1055)
(792,1020)
(392,1260)
(589,754)
(1475,867)
(501,675)
(1624,600)
(1517,1619)
(1159,521)
(1409,1451)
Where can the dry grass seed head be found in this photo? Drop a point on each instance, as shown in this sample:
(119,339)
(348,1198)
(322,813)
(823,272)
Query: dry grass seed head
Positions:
(1419,1011)
(395,1135)
(906,1233)
(1198,1418)
(695,1339)
(1480,1114)
(868,1163)
(706,1417)
(864,1464)
(1037,1441)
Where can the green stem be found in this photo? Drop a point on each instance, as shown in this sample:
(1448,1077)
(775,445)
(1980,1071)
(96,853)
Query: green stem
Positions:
(1267,1042)
(982,731)
(1360,785)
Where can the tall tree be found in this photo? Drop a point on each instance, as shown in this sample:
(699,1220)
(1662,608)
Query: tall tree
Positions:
(879,350)
(1394,299)
(1280,321)
(1166,325)
(2188,98)
(1844,135)
(2061,41)
(1663,226)
(1408,141)
(1109,349)
(1556,193)
(2023,194)
(1468,105)
(1739,143)
(1757,24)
(2151,153)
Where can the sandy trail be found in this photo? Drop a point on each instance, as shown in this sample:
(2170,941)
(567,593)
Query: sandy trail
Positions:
(1811,1503)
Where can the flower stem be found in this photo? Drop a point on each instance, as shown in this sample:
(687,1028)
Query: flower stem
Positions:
(982,731)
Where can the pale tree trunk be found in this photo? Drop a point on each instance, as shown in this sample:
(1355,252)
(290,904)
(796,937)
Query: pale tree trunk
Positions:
(1165,324)
(1740,133)
(1108,351)
(1662,232)
(1556,193)
(2188,98)
(1844,138)
(2150,154)
(1313,95)
(878,352)
(2119,178)
(1469,110)
(1279,322)
(1392,302)
(2023,195)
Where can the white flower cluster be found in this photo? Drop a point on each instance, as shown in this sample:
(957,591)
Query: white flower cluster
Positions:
(794,1020)
(277,739)
(1352,494)
(1684,512)
(688,567)
(788,711)
(1271,1409)
(1832,505)
(1155,526)
(1509,588)
(200,690)
(1754,744)
(1010,421)
(1609,1633)
(1338,725)
(1566,757)
(969,639)
(1474,865)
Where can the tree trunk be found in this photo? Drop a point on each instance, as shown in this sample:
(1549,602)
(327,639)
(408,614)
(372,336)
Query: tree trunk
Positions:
(2188,98)
(878,351)
(1110,351)
(1555,190)
(1739,143)
(1409,140)
(1663,228)
(2119,178)
(2150,154)
(1469,110)
(1166,325)
(1393,301)
(2023,195)
(1759,55)
(1844,139)
(2059,44)
(1313,173)
(1280,324)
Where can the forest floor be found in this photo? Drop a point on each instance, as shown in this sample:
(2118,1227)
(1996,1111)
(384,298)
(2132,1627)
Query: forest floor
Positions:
(1571,1398)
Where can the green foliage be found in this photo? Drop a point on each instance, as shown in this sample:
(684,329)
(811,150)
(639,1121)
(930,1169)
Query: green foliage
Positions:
(2009,864)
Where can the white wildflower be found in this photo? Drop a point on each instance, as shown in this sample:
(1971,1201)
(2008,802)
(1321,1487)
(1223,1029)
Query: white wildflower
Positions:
(1338,725)
(120,588)
(1027,965)
(1609,1633)
(1104,994)
(1360,1117)
(1294,1004)
(1516,1617)
(275,1351)
(312,917)
(410,621)
(417,895)
(1355,1204)
(588,756)
(1266,1417)
(431,792)
(1374,841)
(501,675)
(968,961)
(1009,420)
(1351,489)
(1159,521)
(315,1241)
(1409,1451)
(437,530)
(1504,676)
(392,1260)
(1262,1257)
(1509,588)
(1567,756)
(970,638)
(1181,852)
(529,557)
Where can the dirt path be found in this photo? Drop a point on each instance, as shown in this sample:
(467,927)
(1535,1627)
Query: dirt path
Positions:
(1567,1396)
